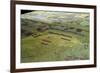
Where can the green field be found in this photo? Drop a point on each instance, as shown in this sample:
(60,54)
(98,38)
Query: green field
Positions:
(46,40)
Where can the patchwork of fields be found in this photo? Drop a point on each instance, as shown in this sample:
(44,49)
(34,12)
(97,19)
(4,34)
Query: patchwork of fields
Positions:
(48,36)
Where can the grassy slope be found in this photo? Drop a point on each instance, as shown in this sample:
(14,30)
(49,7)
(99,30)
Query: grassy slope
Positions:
(57,50)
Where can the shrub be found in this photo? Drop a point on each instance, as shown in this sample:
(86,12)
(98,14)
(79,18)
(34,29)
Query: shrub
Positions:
(79,30)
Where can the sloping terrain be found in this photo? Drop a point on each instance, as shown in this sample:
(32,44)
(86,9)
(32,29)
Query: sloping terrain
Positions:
(54,36)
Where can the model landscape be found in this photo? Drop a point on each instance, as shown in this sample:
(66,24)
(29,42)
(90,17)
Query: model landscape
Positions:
(54,36)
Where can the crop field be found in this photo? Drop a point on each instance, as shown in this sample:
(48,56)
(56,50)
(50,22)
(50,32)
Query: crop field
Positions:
(54,36)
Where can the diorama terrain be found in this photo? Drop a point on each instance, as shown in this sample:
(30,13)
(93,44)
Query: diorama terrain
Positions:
(54,36)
